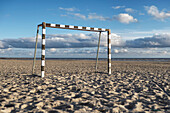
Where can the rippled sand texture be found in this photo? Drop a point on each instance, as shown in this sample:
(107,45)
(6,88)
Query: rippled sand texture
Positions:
(73,86)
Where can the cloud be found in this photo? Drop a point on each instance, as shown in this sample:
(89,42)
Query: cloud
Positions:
(90,16)
(116,51)
(130,10)
(97,17)
(125,18)
(4,45)
(153,11)
(1,44)
(63,41)
(161,40)
(18,43)
(79,15)
(2,51)
(87,41)
(120,50)
(141,14)
(118,7)
(69,9)
(52,49)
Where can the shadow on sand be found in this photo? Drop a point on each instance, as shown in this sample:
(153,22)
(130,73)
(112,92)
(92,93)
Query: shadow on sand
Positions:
(33,75)
(100,72)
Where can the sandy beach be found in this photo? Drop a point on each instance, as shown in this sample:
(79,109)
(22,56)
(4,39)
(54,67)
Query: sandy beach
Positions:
(73,86)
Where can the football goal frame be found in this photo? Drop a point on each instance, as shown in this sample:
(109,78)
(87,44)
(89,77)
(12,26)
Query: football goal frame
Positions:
(71,27)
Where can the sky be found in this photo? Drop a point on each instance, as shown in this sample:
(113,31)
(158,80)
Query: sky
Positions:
(140,28)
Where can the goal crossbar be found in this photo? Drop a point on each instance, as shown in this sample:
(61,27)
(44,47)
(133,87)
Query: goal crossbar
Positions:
(71,27)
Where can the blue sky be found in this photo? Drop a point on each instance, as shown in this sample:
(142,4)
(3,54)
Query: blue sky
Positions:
(140,28)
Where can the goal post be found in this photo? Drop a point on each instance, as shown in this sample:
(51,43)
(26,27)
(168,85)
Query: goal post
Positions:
(71,27)
(109,51)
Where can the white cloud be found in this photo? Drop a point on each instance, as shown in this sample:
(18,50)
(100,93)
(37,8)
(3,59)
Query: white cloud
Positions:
(1,44)
(165,52)
(63,41)
(153,11)
(130,34)
(79,15)
(97,17)
(118,7)
(87,40)
(120,50)
(4,45)
(90,16)
(116,51)
(5,50)
(9,49)
(130,10)
(141,14)
(124,50)
(68,9)
(158,40)
(125,18)
(52,49)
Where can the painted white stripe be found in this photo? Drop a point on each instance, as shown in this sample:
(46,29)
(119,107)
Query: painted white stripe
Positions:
(43,31)
(71,26)
(52,25)
(109,56)
(62,25)
(42,73)
(43,63)
(103,29)
(109,36)
(109,64)
(80,27)
(110,71)
(88,28)
(43,41)
(43,52)
(96,29)
(109,45)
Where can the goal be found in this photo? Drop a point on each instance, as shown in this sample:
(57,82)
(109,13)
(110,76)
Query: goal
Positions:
(71,27)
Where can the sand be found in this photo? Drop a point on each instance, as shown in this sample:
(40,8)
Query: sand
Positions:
(73,86)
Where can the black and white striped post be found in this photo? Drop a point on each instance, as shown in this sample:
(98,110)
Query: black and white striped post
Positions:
(44,25)
(43,50)
(109,51)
